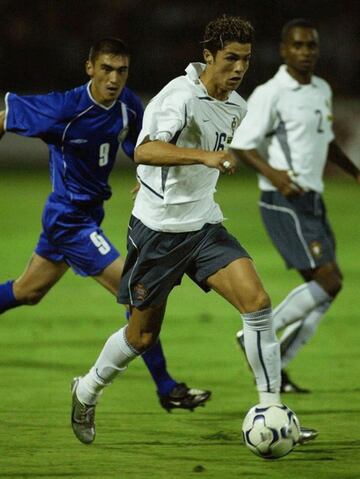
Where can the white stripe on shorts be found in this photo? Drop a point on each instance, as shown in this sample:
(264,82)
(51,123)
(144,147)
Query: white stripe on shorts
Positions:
(137,259)
(290,212)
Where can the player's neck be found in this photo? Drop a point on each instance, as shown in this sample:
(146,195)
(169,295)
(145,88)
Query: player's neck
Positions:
(214,90)
(304,78)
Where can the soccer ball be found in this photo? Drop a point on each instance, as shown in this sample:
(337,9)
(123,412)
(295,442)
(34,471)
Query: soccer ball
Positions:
(271,431)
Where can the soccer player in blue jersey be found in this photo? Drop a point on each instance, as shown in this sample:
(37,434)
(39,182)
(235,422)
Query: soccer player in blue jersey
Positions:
(83,129)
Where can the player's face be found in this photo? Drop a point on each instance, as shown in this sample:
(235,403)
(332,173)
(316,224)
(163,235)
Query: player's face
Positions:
(108,75)
(300,51)
(228,67)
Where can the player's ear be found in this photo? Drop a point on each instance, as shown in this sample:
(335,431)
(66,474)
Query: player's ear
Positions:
(89,68)
(208,56)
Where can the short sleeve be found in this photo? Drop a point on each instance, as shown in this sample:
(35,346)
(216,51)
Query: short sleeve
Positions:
(258,122)
(165,116)
(329,102)
(32,115)
(136,113)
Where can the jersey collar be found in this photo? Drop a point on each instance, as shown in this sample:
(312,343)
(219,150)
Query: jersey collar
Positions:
(193,72)
(287,80)
(97,103)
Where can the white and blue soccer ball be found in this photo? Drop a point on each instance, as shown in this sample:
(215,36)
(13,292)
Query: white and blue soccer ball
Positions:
(271,432)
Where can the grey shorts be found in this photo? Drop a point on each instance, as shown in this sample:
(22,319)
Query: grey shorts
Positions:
(157,261)
(299,228)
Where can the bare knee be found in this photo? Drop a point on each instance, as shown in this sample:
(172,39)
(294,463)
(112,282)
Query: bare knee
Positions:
(256,302)
(335,286)
(330,279)
(28,296)
(142,341)
(144,327)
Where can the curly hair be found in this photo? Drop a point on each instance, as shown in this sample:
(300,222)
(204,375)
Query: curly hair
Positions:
(227,29)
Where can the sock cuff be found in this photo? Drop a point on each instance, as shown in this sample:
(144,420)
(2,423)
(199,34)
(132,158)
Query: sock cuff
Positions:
(318,292)
(257,314)
(7,297)
(10,290)
(132,350)
(258,320)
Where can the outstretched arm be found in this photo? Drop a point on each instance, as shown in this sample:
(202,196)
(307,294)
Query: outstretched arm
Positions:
(337,156)
(161,153)
(279,178)
(2,123)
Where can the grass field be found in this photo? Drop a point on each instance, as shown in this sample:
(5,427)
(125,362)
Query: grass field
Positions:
(43,347)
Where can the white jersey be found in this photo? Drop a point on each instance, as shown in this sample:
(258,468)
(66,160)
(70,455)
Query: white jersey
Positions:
(290,125)
(181,198)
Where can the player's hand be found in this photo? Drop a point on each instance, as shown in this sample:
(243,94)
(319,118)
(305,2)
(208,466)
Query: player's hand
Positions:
(224,161)
(285,182)
(134,191)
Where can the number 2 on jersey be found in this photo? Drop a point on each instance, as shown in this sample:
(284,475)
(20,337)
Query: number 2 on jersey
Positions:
(104,154)
(320,122)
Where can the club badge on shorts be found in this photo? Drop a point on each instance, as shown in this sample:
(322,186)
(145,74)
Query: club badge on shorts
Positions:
(140,292)
(316,249)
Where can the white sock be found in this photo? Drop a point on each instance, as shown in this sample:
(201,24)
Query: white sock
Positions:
(263,354)
(298,337)
(298,304)
(114,358)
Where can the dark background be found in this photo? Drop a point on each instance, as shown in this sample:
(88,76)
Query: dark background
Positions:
(44,43)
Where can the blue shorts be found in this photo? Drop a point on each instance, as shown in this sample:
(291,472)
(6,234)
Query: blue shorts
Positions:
(299,228)
(72,233)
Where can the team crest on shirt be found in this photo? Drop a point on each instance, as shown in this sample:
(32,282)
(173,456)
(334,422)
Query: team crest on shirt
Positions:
(123,134)
(316,249)
(234,124)
(140,291)
(329,116)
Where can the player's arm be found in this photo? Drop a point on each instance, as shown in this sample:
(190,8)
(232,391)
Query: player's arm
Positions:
(337,156)
(2,123)
(161,153)
(261,119)
(279,178)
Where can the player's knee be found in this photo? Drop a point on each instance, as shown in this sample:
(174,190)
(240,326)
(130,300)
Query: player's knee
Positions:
(336,287)
(29,297)
(256,302)
(143,341)
(330,279)
(332,285)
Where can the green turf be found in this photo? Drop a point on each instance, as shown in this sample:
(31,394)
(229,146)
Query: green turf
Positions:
(41,348)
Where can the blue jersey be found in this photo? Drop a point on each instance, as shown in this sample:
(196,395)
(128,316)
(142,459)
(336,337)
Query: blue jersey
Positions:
(83,136)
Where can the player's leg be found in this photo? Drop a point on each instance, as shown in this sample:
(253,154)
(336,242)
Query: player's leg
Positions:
(119,350)
(154,358)
(172,394)
(239,284)
(301,233)
(39,277)
(296,335)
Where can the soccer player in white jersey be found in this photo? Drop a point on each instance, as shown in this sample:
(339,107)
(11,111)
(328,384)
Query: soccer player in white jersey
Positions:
(176,227)
(287,137)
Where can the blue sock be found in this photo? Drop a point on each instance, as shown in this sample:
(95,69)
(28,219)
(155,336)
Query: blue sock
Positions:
(7,298)
(156,363)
